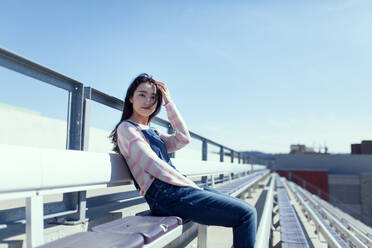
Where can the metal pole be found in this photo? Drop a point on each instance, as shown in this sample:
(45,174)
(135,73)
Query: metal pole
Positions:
(75,118)
(76,200)
(86,118)
(205,150)
(204,179)
(222,154)
(170,131)
(34,221)
(232,161)
(80,216)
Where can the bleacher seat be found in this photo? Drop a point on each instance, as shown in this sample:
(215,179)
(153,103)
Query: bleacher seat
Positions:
(291,231)
(150,227)
(98,240)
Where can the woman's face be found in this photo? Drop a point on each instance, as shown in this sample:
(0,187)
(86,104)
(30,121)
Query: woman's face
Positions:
(144,99)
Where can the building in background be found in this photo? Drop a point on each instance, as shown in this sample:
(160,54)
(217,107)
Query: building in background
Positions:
(302,149)
(364,148)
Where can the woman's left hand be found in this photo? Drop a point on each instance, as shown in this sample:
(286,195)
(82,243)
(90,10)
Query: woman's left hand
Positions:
(164,91)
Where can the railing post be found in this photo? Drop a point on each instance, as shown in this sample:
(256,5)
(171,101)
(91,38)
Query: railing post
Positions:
(202,236)
(170,131)
(86,118)
(77,121)
(232,154)
(204,179)
(222,155)
(75,118)
(34,221)
(205,150)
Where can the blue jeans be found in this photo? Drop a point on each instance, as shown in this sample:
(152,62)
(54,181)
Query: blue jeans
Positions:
(208,207)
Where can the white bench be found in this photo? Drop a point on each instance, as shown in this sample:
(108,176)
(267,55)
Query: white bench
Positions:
(32,173)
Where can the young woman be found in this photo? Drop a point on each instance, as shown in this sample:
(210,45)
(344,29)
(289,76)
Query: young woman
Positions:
(166,190)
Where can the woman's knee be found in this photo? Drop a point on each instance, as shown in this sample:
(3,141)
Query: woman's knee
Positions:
(250,214)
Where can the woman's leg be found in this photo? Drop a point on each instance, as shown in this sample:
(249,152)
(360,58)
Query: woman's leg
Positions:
(208,208)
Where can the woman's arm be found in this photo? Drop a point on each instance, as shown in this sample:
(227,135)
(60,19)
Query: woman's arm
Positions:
(139,154)
(181,137)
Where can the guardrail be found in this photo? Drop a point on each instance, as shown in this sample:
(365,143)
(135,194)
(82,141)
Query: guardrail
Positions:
(349,237)
(334,231)
(349,222)
(320,224)
(326,196)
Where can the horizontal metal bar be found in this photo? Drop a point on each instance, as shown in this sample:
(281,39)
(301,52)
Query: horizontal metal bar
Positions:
(201,138)
(109,198)
(50,210)
(50,216)
(26,67)
(251,184)
(107,100)
(161,122)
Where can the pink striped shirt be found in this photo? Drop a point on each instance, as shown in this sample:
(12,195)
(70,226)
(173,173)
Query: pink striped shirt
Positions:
(143,162)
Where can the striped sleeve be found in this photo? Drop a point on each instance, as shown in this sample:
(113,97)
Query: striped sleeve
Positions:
(181,136)
(138,153)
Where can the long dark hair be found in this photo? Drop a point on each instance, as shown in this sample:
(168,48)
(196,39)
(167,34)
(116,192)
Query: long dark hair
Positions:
(128,107)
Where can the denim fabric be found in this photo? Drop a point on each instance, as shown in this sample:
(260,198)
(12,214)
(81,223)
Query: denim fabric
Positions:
(208,207)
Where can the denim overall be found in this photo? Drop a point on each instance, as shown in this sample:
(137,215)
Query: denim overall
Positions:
(156,143)
(208,206)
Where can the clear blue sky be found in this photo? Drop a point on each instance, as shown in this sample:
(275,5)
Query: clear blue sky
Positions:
(252,75)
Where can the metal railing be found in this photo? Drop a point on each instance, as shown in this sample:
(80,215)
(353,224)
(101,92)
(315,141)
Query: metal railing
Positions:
(321,226)
(335,232)
(327,197)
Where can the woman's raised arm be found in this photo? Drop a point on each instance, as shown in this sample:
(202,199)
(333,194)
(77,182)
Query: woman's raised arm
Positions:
(181,137)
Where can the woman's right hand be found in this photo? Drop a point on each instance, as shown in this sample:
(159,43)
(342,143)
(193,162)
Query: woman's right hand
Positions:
(164,91)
